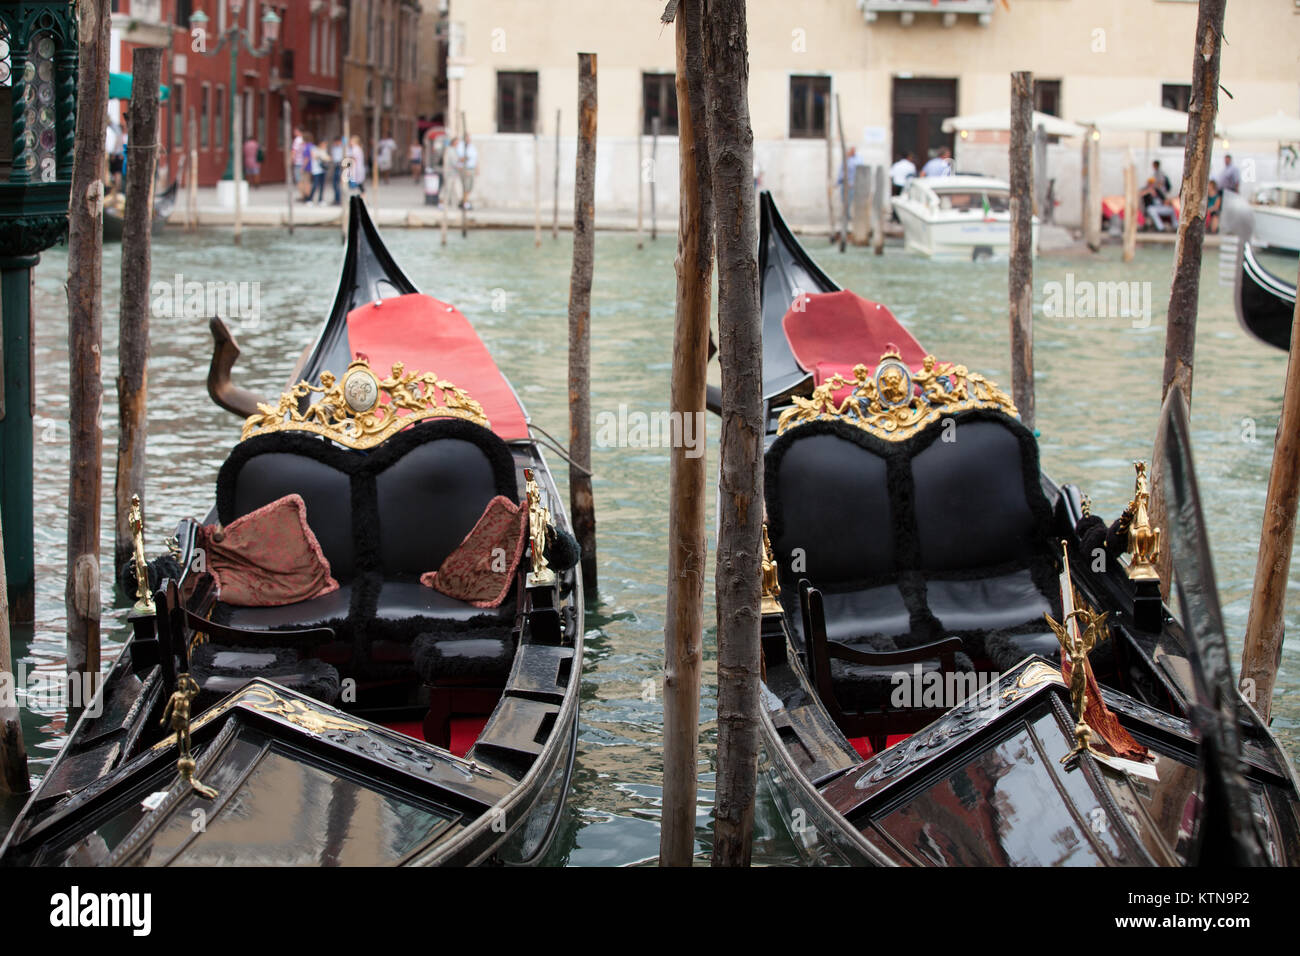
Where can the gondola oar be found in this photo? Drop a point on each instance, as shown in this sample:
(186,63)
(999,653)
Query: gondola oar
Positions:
(1226,833)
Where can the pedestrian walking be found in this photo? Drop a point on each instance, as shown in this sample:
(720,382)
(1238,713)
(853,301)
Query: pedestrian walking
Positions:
(467,167)
(386,152)
(252,161)
(357,173)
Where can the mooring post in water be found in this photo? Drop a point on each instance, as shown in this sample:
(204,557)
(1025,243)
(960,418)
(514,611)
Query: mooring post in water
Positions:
(862,197)
(1130,209)
(85,289)
(654,174)
(537,183)
(880,204)
(555,191)
(845,186)
(640,174)
(287,139)
(237,131)
(738,578)
(133,321)
(1090,200)
(1265,625)
(688,491)
(13,757)
(464,173)
(1021,267)
(830,176)
(445,190)
(1180,327)
(581,501)
(193,190)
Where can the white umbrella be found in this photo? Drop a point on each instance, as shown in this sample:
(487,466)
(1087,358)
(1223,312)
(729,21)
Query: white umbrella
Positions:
(1000,121)
(1147,118)
(1278,128)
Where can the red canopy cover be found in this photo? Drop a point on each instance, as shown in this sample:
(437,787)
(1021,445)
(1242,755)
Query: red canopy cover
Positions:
(831,332)
(431,336)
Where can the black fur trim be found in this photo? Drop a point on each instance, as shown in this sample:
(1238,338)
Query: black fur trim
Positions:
(161,567)
(563,551)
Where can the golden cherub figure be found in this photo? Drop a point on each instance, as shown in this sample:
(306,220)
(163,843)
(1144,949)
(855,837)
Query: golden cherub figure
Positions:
(135,518)
(771,582)
(539,522)
(178,712)
(1143,540)
(1075,647)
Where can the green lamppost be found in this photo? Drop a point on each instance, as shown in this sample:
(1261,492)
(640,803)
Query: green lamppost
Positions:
(38,105)
(234,37)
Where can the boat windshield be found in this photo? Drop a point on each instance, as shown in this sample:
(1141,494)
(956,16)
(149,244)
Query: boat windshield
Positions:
(973,200)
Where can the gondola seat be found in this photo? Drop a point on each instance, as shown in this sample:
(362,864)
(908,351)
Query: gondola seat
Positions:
(383,517)
(919,539)
(464,672)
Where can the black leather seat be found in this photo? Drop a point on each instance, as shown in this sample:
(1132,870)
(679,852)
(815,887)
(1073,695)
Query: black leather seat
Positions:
(945,533)
(221,670)
(382,517)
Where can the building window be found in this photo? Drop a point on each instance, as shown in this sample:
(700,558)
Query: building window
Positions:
(516,102)
(183,10)
(264,118)
(178,115)
(659,98)
(205,117)
(312,59)
(1175,96)
(1047,97)
(810,97)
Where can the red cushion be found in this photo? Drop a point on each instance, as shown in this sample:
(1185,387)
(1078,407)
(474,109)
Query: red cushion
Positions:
(482,569)
(831,332)
(268,557)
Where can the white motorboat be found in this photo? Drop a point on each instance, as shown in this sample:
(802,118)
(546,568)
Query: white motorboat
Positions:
(957,216)
(1277,215)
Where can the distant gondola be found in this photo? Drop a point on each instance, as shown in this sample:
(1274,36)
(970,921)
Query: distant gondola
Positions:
(381,722)
(1265,303)
(915,707)
(163,204)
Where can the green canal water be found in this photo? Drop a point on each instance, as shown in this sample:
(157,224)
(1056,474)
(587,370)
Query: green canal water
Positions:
(1098,392)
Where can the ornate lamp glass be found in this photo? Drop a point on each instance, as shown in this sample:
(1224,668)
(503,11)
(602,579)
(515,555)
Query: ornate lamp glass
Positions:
(38,77)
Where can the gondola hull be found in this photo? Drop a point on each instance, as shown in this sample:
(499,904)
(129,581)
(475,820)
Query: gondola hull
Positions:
(863,496)
(1265,304)
(303,781)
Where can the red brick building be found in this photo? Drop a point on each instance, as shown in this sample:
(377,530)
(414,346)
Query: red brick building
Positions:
(302,68)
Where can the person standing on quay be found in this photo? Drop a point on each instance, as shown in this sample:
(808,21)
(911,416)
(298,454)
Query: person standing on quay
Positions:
(357,174)
(387,149)
(336,168)
(252,161)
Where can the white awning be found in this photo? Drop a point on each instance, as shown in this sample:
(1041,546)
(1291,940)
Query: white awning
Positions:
(1000,121)
(1278,128)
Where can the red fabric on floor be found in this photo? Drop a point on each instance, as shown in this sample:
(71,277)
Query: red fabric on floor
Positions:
(464,731)
(431,336)
(863,747)
(830,332)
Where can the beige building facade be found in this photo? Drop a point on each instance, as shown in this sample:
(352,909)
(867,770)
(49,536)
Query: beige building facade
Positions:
(896,68)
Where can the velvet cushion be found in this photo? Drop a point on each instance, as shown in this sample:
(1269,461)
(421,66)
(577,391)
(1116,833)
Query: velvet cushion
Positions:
(482,569)
(268,557)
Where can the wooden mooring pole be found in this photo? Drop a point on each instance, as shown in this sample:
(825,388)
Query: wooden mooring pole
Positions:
(537,183)
(192,175)
(1021,267)
(85,342)
(654,174)
(287,139)
(1130,209)
(688,482)
(555,191)
(844,177)
(13,756)
(133,321)
(464,172)
(880,208)
(740,484)
(830,180)
(862,197)
(582,504)
(237,131)
(640,175)
(1090,198)
(1264,626)
(1184,295)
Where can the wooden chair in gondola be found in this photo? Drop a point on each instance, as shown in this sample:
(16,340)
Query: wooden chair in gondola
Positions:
(868,678)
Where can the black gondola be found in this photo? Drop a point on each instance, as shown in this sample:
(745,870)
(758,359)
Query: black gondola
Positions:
(1265,303)
(383,722)
(163,205)
(916,709)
